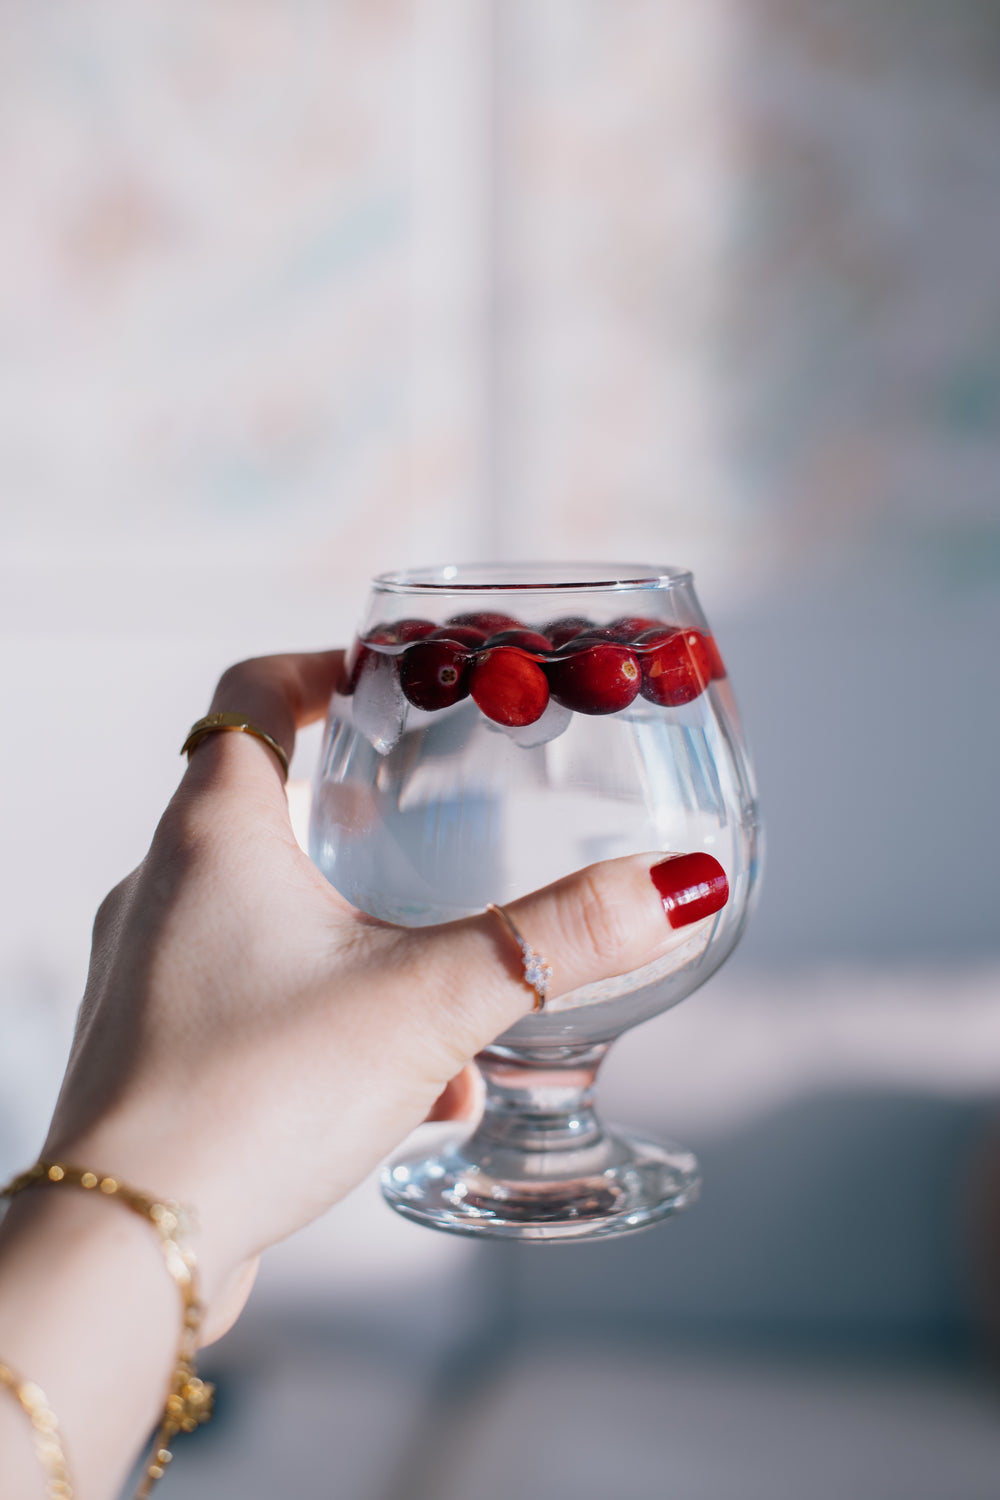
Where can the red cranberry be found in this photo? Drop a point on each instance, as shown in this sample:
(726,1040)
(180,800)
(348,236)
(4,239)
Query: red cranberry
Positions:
(676,665)
(352,667)
(485,620)
(528,640)
(591,637)
(354,663)
(395,633)
(718,665)
(404,631)
(565,628)
(509,686)
(627,627)
(435,674)
(462,635)
(599,679)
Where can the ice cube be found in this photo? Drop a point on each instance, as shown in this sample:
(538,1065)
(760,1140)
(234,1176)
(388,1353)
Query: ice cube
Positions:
(378,706)
(550,726)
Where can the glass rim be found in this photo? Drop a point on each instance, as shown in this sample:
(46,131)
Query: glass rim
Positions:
(607,577)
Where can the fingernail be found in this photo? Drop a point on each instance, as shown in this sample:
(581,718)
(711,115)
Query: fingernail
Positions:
(691,886)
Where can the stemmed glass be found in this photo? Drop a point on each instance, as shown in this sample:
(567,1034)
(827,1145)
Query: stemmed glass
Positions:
(495,728)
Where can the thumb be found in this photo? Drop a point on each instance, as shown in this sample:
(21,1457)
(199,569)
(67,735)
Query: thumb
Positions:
(603,921)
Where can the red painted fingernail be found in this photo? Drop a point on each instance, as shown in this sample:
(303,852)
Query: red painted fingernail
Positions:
(691,886)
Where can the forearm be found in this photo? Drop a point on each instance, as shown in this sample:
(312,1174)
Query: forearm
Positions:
(89,1313)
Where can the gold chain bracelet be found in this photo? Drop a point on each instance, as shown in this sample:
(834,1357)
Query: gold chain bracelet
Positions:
(48,1442)
(189,1401)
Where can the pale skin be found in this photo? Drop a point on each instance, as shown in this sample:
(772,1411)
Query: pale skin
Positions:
(252,1045)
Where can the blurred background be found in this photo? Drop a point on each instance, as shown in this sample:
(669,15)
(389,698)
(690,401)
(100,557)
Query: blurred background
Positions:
(293,293)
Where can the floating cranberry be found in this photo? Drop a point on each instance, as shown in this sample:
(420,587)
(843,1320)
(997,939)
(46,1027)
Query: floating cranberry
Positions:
(485,620)
(509,686)
(352,667)
(385,633)
(718,665)
(564,629)
(599,679)
(359,654)
(591,637)
(462,635)
(435,674)
(676,665)
(404,631)
(528,640)
(627,627)
(397,632)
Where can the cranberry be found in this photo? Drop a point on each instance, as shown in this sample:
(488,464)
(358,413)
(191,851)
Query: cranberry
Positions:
(528,640)
(352,668)
(509,686)
(462,635)
(435,674)
(718,665)
(486,621)
(599,679)
(564,629)
(591,637)
(396,633)
(354,663)
(404,631)
(627,627)
(676,665)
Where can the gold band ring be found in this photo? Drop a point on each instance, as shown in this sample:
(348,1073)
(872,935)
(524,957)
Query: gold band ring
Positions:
(212,723)
(537,969)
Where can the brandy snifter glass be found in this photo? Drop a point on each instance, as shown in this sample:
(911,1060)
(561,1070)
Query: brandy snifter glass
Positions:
(495,728)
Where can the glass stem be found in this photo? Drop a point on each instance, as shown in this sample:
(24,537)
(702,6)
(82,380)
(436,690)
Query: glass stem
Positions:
(540,1102)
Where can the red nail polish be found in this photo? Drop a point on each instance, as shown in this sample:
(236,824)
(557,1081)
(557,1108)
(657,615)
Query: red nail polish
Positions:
(692,886)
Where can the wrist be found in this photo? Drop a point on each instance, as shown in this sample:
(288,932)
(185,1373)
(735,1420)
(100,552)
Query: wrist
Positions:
(165,1169)
(83,1280)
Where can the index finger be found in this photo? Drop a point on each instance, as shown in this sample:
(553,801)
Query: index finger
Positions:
(278,694)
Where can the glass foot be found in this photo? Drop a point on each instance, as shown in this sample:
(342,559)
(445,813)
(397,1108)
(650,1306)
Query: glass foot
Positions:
(614,1185)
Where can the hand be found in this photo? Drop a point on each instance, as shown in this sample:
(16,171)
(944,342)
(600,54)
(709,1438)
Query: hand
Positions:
(252,1044)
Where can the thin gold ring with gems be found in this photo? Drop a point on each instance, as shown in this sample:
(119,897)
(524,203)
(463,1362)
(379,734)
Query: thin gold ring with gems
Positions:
(537,969)
(214,723)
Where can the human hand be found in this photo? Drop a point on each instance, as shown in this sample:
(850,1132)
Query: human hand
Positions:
(253,1045)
